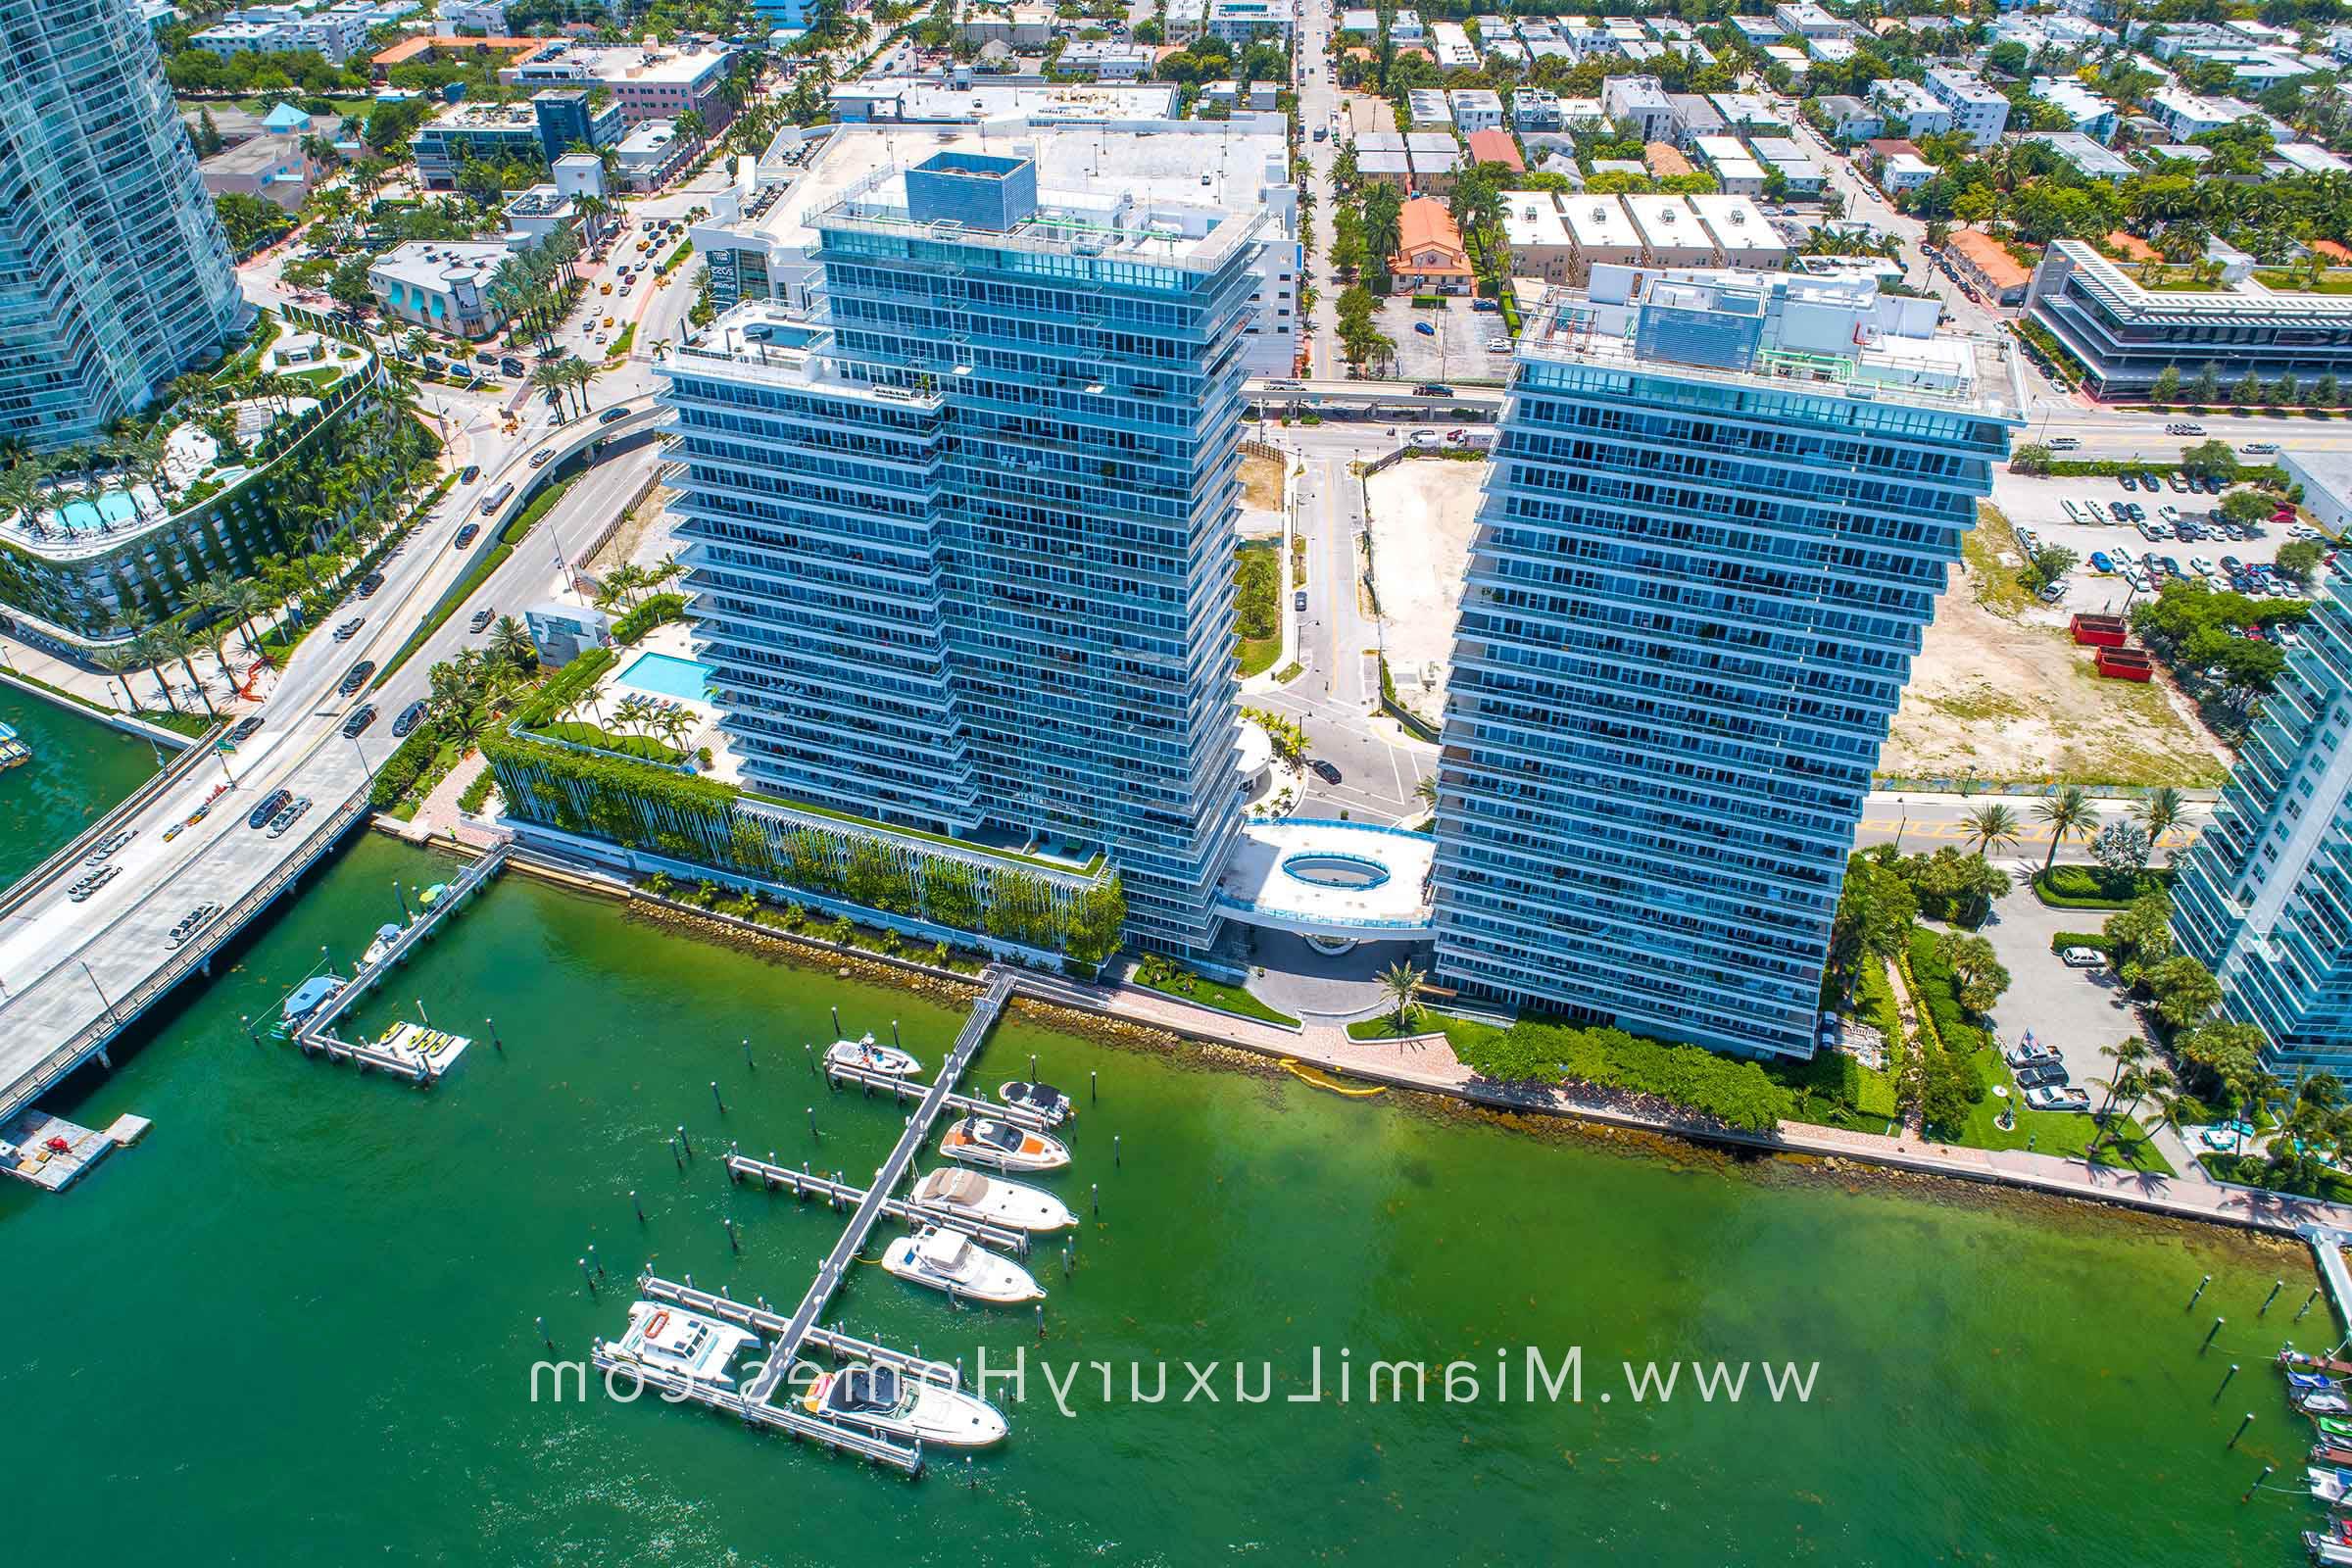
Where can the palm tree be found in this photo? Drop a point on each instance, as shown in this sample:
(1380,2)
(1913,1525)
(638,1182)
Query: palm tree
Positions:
(632,712)
(1991,828)
(119,661)
(171,643)
(2068,812)
(673,725)
(22,489)
(2129,1055)
(511,644)
(2160,811)
(1400,982)
(1426,792)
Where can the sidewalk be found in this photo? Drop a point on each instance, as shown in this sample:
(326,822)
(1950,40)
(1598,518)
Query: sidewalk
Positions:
(1427,1062)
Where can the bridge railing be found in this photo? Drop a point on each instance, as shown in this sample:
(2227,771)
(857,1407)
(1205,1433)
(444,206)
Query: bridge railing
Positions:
(123,1011)
(186,761)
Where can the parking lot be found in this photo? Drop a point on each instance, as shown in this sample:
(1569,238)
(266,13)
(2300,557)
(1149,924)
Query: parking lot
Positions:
(2043,504)
(1453,349)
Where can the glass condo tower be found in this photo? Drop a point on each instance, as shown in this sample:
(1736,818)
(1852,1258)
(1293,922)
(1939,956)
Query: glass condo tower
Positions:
(1721,511)
(114,274)
(961,547)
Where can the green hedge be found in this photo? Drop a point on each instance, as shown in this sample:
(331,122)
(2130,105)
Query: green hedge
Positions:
(2083,939)
(2087,887)
(1942,996)
(1736,1093)
(404,767)
(527,519)
(461,591)
(477,793)
(659,610)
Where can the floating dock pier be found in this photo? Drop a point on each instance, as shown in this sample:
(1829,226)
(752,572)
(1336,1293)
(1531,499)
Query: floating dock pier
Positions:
(53,1154)
(787,1338)
(805,1184)
(2328,1250)
(899,1087)
(414,1052)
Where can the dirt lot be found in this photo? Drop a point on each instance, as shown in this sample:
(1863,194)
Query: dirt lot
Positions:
(2001,691)
(1261,482)
(1423,514)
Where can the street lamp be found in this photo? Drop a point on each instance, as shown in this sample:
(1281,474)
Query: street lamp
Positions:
(101,990)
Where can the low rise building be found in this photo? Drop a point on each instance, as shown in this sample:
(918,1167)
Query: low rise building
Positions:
(1600,232)
(1475,108)
(1794,164)
(1979,111)
(1535,109)
(2092,115)
(1665,162)
(1747,114)
(1450,42)
(1436,159)
(1538,236)
(473,15)
(1985,263)
(1672,234)
(2187,114)
(1429,109)
(1901,171)
(1496,147)
(442,285)
(1693,118)
(1910,109)
(648,81)
(1016,26)
(572,117)
(1848,119)
(2085,155)
(1744,236)
(274,168)
(1727,157)
(541,210)
(1805,20)
(487,133)
(1106,60)
(649,154)
(1640,102)
(1431,258)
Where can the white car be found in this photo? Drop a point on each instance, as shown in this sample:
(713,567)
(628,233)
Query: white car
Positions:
(2063,1098)
(2083,958)
(2200,565)
(1499,345)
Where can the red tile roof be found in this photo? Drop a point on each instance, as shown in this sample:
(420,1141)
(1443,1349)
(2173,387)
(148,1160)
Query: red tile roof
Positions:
(1495,147)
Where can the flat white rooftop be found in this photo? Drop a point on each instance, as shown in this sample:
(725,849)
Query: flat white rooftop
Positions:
(1324,878)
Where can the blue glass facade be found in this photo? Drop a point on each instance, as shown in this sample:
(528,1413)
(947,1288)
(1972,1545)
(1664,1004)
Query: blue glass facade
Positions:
(114,274)
(964,563)
(1690,612)
(2264,898)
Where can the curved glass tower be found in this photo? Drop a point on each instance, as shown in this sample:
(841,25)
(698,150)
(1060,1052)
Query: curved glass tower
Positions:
(114,275)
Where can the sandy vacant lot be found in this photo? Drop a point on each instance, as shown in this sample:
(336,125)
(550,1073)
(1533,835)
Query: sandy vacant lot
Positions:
(2001,691)
(1423,514)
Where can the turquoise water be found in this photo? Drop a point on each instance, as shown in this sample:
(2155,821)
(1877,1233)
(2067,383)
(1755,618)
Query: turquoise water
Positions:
(297,1324)
(667,675)
(79,769)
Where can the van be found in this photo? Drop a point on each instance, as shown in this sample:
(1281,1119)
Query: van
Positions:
(497,497)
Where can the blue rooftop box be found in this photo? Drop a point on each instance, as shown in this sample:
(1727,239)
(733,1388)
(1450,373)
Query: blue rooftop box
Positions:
(973,190)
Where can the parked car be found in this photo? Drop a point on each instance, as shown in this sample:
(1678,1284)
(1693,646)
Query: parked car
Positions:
(2127,481)
(287,818)
(108,847)
(609,415)
(2066,1099)
(1484,305)
(2064,443)
(410,718)
(2176,483)
(2260,448)
(271,803)
(2083,958)
(1499,345)
(2052,592)
(1325,772)
(358,721)
(466,536)
(357,678)
(2116,511)
(2047,1075)
(2023,1054)
(481,618)
(1298,601)
(2100,560)
(1425,329)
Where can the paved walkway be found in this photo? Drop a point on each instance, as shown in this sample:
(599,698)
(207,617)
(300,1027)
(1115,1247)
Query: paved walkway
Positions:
(1427,1062)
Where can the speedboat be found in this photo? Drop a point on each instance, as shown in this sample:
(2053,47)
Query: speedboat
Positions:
(984,1141)
(2320,1401)
(2313,1383)
(309,997)
(2329,1483)
(884,1400)
(2330,1552)
(385,936)
(993,1198)
(1044,1099)
(677,1341)
(873,1058)
(951,1262)
(2339,1431)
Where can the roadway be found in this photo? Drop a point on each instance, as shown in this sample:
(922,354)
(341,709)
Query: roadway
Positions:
(64,963)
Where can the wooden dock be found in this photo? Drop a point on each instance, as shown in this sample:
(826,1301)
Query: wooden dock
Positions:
(416,1052)
(902,1088)
(805,1184)
(830,1274)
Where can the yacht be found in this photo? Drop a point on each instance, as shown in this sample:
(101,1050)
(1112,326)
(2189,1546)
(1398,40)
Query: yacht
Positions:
(1044,1099)
(951,1262)
(994,1199)
(677,1341)
(307,997)
(984,1141)
(385,936)
(884,1400)
(865,1053)
(12,750)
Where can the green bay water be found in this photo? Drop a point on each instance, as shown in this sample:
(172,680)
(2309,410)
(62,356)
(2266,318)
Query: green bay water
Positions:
(81,768)
(296,1324)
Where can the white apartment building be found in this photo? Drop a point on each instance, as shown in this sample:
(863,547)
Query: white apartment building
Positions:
(1977,110)
(1642,101)
(1475,108)
(1911,111)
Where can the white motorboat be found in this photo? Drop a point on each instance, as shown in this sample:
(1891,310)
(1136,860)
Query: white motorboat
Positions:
(2329,1483)
(677,1341)
(2328,1551)
(884,1400)
(385,936)
(1044,1099)
(950,1260)
(985,1141)
(873,1058)
(993,1198)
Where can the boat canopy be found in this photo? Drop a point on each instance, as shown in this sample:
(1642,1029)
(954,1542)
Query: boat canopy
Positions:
(942,1249)
(996,1135)
(957,1186)
(308,996)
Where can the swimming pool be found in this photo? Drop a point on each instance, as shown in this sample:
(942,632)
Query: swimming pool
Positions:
(667,675)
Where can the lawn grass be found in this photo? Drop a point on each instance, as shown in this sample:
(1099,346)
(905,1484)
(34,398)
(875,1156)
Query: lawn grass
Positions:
(2058,1132)
(1189,986)
(642,746)
(2286,282)
(1458,1032)
(2252,1171)
(1257,655)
